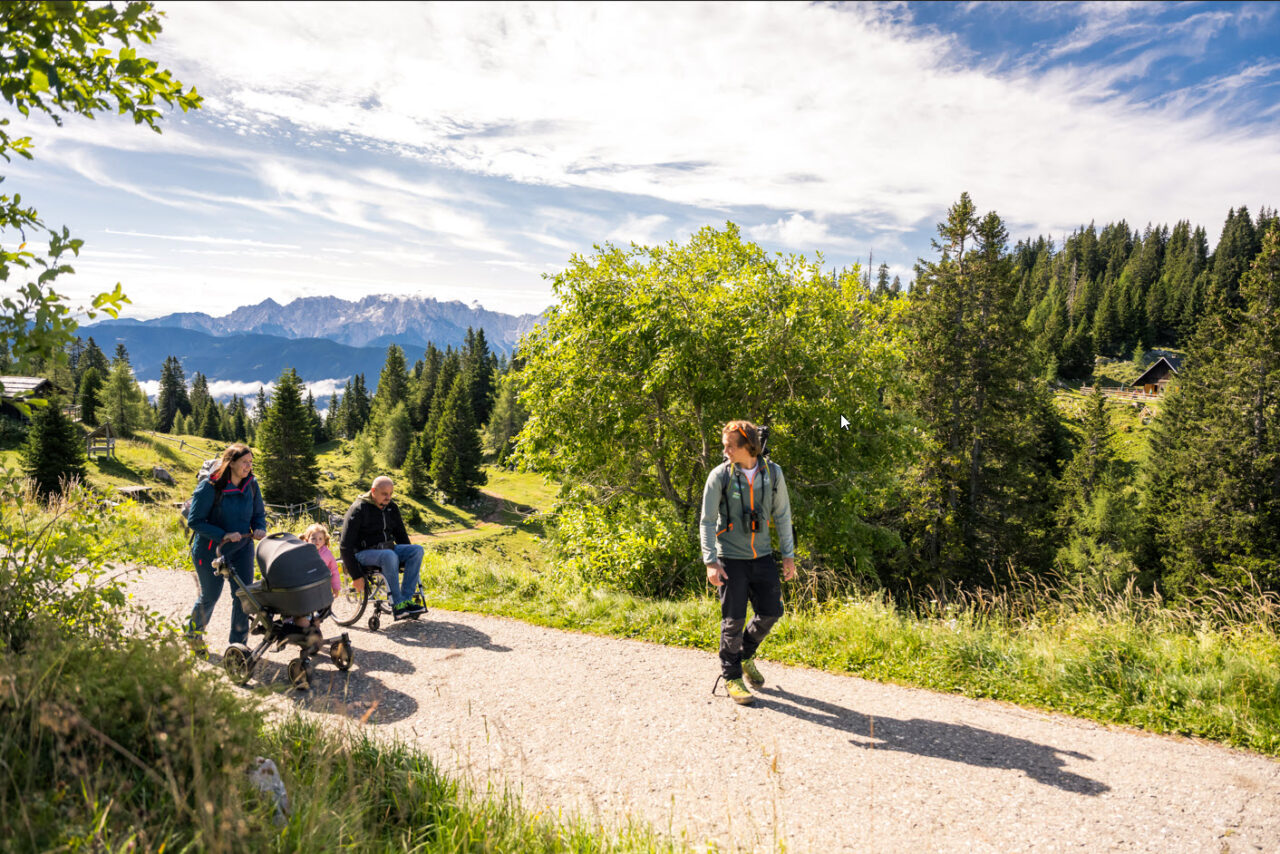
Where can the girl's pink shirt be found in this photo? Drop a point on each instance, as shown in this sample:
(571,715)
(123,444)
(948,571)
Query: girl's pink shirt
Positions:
(327,557)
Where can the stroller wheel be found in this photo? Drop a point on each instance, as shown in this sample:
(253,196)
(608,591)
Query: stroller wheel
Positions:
(374,623)
(340,652)
(238,662)
(300,674)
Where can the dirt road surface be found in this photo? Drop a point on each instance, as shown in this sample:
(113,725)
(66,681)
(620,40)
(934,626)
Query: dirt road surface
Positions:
(610,729)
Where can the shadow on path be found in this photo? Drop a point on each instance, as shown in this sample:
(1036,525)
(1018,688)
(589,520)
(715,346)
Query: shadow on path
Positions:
(952,742)
(432,634)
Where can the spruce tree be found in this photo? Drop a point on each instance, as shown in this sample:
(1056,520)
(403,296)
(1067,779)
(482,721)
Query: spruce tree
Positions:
(456,457)
(979,504)
(239,420)
(317,426)
(397,434)
(172,398)
(286,460)
(1214,494)
(260,406)
(210,426)
(416,474)
(508,417)
(90,396)
(93,357)
(54,451)
(477,368)
(425,389)
(393,388)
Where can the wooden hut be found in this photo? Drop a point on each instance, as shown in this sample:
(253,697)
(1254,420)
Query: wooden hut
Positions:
(1155,380)
(22,388)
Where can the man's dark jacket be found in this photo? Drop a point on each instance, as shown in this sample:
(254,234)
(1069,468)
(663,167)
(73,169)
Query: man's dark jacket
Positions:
(368,526)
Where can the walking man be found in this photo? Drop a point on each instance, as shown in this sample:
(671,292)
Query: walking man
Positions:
(744,496)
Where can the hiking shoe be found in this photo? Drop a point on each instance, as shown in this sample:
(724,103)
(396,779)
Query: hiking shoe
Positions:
(738,692)
(406,610)
(752,673)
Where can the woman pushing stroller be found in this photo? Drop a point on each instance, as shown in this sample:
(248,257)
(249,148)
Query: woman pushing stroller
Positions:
(227,511)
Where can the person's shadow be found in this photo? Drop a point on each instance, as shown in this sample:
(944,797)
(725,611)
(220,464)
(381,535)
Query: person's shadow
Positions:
(953,742)
(438,634)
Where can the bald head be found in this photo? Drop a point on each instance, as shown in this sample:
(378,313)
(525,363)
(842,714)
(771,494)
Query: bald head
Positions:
(381,490)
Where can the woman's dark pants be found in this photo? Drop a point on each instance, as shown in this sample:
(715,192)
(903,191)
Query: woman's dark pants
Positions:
(756,581)
(240,558)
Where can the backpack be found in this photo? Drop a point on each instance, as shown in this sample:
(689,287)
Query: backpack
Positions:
(207,468)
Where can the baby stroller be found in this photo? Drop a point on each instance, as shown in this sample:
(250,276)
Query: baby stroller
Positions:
(294,584)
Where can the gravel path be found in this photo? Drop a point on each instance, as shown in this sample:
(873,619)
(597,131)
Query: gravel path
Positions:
(610,728)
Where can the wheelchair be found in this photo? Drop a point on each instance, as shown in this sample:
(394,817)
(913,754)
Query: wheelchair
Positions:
(350,604)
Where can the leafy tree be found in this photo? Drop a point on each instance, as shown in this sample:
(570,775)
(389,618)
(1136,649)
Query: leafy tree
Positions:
(54,60)
(89,396)
(287,459)
(456,458)
(978,496)
(1215,460)
(123,402)
(652,349)
(54,451)
(172,398)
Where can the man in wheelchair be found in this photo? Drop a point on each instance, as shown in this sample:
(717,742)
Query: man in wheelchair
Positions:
(374,536)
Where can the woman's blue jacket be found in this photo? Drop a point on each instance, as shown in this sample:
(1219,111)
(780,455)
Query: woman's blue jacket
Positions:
(240,510)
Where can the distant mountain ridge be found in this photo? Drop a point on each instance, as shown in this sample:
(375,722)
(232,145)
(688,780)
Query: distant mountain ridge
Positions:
(374,321)
(321,337)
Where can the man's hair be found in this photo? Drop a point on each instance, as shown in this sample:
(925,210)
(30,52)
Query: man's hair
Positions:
(744,434)
(381,480)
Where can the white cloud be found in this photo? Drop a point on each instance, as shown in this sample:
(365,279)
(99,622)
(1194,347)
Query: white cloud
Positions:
(832,110)
(796,232)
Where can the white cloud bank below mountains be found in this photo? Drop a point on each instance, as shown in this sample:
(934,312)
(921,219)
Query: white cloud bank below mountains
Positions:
(834,114)
(223,390)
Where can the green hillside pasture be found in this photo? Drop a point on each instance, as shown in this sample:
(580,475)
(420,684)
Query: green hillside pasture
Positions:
(1120,659)
(1130,424)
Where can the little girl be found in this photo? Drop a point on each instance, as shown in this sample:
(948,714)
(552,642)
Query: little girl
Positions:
(318,536)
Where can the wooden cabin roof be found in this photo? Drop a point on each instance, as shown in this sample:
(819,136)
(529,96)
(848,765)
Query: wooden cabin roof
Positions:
(1164,366)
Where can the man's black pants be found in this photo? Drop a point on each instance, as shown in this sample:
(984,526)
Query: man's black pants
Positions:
(756,581)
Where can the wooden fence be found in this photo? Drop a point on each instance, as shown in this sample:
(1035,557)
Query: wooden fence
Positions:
(1123,393)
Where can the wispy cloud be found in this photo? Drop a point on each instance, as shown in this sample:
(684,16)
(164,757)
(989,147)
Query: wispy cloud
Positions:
(636,99)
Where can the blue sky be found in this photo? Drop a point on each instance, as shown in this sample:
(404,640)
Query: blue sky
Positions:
(462,151)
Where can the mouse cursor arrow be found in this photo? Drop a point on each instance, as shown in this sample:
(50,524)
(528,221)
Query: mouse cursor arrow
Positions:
(844,423)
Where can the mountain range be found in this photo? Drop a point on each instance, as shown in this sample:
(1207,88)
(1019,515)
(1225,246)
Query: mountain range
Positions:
(321,337)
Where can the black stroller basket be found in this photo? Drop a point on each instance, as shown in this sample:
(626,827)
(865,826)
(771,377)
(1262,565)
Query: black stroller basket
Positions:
(295,581)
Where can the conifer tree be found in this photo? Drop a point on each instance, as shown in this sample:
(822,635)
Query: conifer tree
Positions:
(508,417)
(416,475)
(210,423)
(121,355)
(979,500)
(477,368)
(450,369)
(90,396)
(393,388)
(54,451)
(356,406)
(317,426)
(424,391)
(287,461)
(260,406)
(93,357)
(1215,459)
(1236,249)
(456,457)
(397,434)
(123,402)
(172,398)
(362,459)
(239,420)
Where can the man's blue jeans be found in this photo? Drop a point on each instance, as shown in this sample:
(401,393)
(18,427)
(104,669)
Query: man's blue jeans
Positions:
(389,560)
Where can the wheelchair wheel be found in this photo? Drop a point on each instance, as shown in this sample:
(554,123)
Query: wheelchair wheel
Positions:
(375,622)
(348,606)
